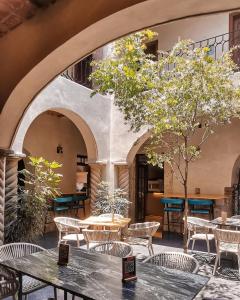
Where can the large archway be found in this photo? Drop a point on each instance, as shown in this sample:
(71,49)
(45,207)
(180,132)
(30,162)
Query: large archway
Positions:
(122,19)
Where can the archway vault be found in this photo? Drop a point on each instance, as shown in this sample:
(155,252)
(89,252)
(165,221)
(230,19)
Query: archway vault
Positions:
(51,48)
(60,96)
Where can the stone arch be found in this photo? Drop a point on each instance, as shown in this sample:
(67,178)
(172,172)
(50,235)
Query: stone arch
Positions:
(85,39)
(47,102)
(136,146)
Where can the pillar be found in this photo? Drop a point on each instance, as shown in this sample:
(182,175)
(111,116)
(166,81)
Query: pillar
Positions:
(11,190)
(3,154)
(123,178)
(95,178)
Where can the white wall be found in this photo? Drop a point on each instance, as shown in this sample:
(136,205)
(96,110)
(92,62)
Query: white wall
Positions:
(43,137)
(196,29)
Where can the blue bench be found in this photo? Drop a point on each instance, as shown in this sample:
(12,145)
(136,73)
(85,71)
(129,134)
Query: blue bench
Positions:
(172,205)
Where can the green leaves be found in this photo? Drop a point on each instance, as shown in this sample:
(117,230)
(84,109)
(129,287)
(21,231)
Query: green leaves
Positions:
(181,97)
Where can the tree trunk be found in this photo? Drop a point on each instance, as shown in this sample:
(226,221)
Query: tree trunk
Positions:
(185,231)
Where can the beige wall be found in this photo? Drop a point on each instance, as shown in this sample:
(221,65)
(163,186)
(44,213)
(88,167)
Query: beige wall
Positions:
(42,138)
(213,171)
(196,29)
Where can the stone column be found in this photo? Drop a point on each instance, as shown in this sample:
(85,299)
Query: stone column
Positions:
(95,179)
(11,190)
(123,178)
(3,154)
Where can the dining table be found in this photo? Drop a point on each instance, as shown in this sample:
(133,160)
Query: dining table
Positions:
(96,221)
(229,222)
(99,277)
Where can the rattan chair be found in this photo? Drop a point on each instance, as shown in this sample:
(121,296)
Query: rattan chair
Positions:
(141,234)
(118,249)
(200,229)
(227,241)
(174,260)
(8,283)
(69,229)
(16,250)
(109,215)
(99,236)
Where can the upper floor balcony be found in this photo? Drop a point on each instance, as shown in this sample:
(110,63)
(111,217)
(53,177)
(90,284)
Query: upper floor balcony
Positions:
(218,45)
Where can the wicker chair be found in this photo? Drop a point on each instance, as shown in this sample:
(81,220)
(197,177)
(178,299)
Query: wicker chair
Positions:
(199,229)
(227,241)
(69,229)
(174,260)
(141,234)
(16,250)
(109,215)
(99,236)
(118,249)
(8,283)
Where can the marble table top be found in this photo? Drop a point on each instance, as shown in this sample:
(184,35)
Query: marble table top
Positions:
(98,276)
(229,222)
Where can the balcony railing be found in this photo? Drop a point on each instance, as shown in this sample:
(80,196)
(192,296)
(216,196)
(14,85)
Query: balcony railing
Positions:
(80,72)
(218,45)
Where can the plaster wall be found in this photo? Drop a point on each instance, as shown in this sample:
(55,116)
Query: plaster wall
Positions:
(216,166)
(90,115)
(42,139)
(196,29)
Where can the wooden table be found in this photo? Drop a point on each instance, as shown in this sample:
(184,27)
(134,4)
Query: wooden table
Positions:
(98,276)
(214,197)
(97,221)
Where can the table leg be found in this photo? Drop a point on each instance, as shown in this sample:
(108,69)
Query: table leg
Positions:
(20,286)
(65,295)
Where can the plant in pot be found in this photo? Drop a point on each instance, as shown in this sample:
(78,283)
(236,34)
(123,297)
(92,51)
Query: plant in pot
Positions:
(110,202)
(41,184)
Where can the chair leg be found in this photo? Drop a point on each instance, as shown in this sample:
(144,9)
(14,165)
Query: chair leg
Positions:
(26,297)
(208,248)
(193,244)
(216,263)
(168,221)
(55,293)
(238,255)
(78,243)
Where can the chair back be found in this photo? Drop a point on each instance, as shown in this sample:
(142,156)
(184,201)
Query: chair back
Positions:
(200,202)
(109,215)
(145,229)
(195,225)
(96,236)
(65,224)
(174,201)
(118,249)
(227,236)
(174,260)
(16,250)
(63,199)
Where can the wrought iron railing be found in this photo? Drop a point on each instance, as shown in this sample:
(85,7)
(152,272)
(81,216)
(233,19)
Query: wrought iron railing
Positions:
(218,45)
(80,72)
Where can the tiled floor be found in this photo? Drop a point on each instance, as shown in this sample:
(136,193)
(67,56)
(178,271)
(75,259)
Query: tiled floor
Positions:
(218,288)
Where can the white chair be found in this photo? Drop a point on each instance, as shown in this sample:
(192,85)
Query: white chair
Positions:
(69,230)
(200,229)
(8,283)
(174,260)
(141,234)
(16,250)
(99,236)
(227,241)
(118,249)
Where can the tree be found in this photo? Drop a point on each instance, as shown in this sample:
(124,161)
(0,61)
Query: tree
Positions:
(41,186)
(181,98)
(115,202)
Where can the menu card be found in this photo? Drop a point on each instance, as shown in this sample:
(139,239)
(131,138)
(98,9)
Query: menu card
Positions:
(63,254)
(129,268)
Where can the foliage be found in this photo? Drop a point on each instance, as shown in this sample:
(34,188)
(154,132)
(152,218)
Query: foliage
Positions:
(41,185)
(180,98)
(107,202)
